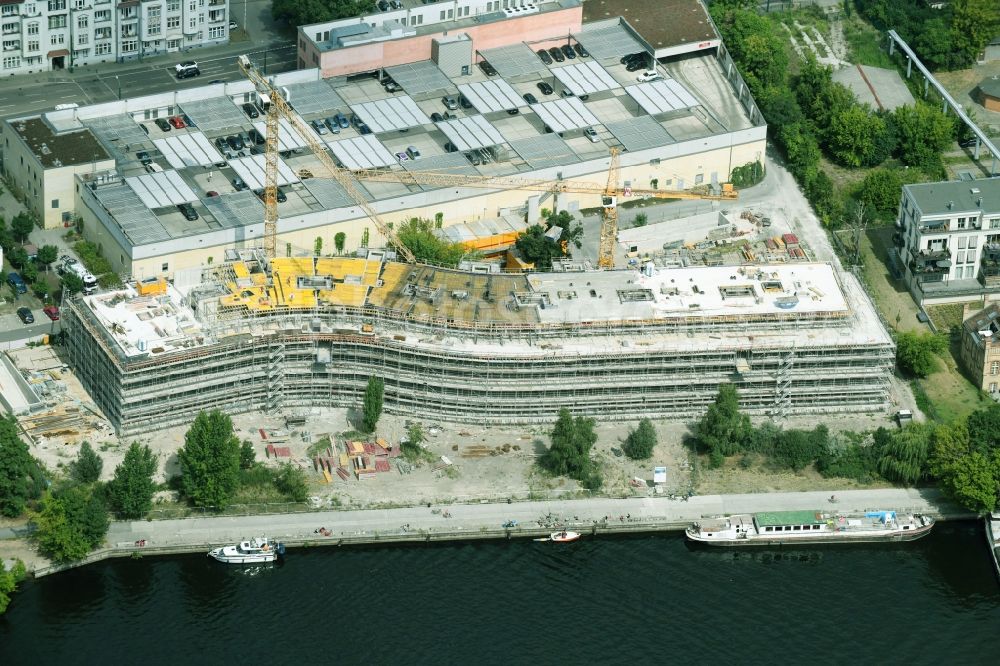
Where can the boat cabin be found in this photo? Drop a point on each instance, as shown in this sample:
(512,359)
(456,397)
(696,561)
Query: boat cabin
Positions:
(789,521)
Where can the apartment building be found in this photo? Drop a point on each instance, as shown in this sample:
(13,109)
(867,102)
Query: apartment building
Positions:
(948,239)
(981,349)
(49,35)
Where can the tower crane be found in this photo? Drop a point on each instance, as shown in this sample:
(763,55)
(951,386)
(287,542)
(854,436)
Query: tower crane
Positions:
(610,193)
(280,107)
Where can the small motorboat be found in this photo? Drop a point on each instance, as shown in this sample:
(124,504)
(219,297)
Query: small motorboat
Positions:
(254,551)
(564,536)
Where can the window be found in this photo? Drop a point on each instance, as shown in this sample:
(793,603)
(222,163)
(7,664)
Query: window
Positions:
(961,223)
(193,23)
(9,10)
(165,267)
(217,33)
(173,43)
(960,257)
(55,203)
(962,240)
(57,5)
(57,21)
(83,21)
(192,5)
(442,14)
(56,40)
(154,12)
(993,387)
(82,39)
(11,44)
(102,33)
(128,46)
(995,223)
(699,179)
(971,257)
(127,12)
(33,28)
(995,368)
(153,28)
(102,16)
(173,22)
(451,13)
(33,46)
(11,62)
(79,4)
(103,49)
(174,6)
(972,241)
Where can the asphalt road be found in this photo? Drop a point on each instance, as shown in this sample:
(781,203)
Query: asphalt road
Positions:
(21,95)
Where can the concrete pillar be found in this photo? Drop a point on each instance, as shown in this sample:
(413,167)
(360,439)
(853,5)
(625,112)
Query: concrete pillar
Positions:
(976,152)
(927,84)
(892,46)
(909,66)
(944,107)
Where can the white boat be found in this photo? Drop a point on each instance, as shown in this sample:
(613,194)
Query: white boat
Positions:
(779,528)
(564,536)
(254,551)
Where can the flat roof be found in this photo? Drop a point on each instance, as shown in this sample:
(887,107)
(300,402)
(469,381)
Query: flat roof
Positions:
(58,150)
(951,197)
(662,23)
(770,518)
(581,312)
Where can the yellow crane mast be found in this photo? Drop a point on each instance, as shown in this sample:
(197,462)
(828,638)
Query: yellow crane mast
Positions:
(279,107)
(609,225)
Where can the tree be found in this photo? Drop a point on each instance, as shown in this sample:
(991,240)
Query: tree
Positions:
(904,459)
(855,135)
(923,132)
(21,477)
(306,12)
(569,454)
(210,460)
(248,457)
(915,352)
(9,581)
(372,408)
(21,226)
(973,25)
(411,446)
(72,283)
(723,429)
(983,427)
(540,250)
(949,443)
(291,482)
(71,524)
(47,254)
(131,491)
(640,220)
(640,442)
(880,190)
(973,481)
(318,246)
(418,236)
(338,241)
(87,466)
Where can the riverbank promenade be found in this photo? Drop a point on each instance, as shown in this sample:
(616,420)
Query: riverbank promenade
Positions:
(449,522)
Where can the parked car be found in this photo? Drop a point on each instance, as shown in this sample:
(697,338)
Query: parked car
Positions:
(450,102)
(450,147)
(220,143)
(26,316)
(52,312)
(17,283)
(332,125)
(177,122)
(568,51)
(648,75)
(436,117)
(591,134)
(580,51)
(556,54)
(256,137)
(412,152)
(466,104)
(341,120)
(391,86)
(143,157)
(153,167)
(187,120)
(968,143)
(211,194)
(235,142)
(251,110)
(544,56)
(188,73)
(279,195)
(239,185)
(162,124)
(512,112)
(319,127)
(635,65)
(545,88)
(187,64)
(530,99)
(487,68)
(233,25)
(188,211)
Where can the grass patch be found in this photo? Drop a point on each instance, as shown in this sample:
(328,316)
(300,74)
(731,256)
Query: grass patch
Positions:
(945,317)
(320,447)
(865,45)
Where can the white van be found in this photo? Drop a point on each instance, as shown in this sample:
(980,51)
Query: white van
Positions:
(153,167)
(89,281)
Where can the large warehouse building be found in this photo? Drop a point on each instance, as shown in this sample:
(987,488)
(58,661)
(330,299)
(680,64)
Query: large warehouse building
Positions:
(492,348)
(687,127)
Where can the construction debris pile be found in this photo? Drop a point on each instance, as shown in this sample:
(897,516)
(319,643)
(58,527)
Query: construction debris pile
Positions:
(364,459)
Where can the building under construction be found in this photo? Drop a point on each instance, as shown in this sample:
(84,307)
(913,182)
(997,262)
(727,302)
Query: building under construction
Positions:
(478,346)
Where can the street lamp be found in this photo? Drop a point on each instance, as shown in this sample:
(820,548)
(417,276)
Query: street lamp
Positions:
(119,82)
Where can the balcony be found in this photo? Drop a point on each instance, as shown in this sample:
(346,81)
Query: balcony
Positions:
(990,274)
(931,265)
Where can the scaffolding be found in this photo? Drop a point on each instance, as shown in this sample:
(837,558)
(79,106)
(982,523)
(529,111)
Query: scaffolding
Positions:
(478,360)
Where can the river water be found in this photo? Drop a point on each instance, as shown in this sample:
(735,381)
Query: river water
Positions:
(653,599)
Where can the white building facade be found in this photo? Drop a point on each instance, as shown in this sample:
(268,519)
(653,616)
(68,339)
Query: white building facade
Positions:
(50,35)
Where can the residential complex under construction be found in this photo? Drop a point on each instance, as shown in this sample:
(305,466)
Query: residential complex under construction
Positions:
(464,345)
